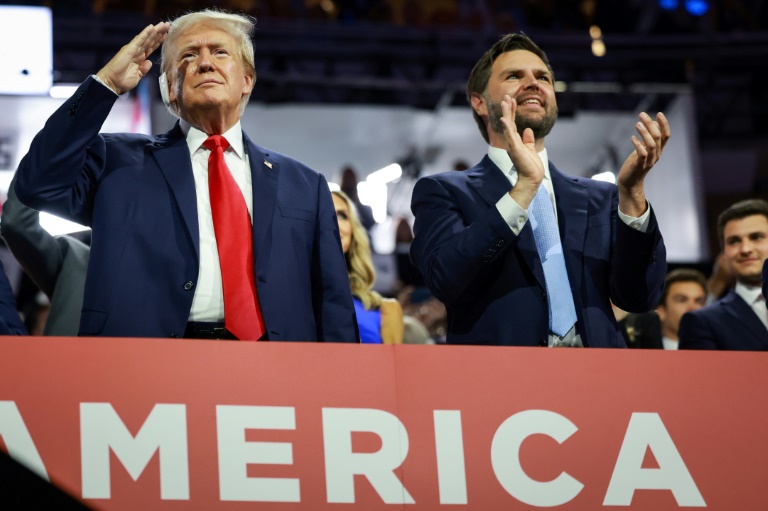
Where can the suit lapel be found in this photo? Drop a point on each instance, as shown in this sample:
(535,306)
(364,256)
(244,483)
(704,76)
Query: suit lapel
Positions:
(572,201)
(491,184)
(172,155)
(741,313)
(264,179)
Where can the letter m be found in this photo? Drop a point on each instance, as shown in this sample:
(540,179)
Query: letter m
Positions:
(164,430)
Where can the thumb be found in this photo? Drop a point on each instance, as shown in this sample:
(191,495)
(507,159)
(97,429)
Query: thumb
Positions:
(528,138)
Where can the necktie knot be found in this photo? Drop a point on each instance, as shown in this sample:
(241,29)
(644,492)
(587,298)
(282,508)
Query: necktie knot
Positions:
(215,141)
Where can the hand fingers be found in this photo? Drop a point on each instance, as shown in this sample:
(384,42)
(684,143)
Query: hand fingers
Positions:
(149,39)
(651,137)
(641,151)
(666,131)
(508,107)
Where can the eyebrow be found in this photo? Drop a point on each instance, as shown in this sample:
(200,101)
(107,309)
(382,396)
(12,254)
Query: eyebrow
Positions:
(196,45)
(537,70)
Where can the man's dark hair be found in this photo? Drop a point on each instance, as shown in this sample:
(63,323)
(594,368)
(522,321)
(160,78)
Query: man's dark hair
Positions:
(682,275)
(741,209)
(481,73)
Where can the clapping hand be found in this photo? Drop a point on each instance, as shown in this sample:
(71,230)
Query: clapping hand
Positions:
(654,135)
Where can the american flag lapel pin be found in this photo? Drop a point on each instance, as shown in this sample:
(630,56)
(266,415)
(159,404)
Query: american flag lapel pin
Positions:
(268,164)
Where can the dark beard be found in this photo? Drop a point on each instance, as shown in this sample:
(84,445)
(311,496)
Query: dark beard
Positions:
(540,127)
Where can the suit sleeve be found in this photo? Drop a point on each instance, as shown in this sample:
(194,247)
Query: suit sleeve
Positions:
(65,161)
(638,266)
(695,334)
(454,255)
(38,252)
(331,294)
(10,322)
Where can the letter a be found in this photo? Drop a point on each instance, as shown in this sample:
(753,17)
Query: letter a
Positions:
(646,431)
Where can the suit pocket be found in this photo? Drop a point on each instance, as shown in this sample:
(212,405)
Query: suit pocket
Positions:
(92,322)
(298,213)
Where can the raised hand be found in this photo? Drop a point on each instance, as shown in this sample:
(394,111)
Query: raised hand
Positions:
(131,63)
(654,135)
(522,151)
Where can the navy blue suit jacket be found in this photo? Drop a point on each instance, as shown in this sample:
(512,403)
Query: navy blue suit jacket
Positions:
(765,281)
(10,322)
(492,281)
(138,194)
(728,324)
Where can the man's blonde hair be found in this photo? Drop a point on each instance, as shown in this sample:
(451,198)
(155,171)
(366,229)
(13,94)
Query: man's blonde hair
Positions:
(239,26)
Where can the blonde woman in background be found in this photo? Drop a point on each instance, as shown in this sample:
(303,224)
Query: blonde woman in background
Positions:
(380,320)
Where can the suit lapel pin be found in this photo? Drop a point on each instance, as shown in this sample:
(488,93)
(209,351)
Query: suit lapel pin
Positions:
(268,164)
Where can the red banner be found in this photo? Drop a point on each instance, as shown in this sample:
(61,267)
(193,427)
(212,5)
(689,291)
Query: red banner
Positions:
(128,424)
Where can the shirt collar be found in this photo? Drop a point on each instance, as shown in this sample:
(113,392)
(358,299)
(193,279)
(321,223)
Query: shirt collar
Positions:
(196,137)
(748,293)
(502,160)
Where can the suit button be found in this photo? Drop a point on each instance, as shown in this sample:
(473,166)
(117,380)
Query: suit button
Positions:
(487,258)
(543,296)
(174,336)
(188,285)
(543,343)
(500,243)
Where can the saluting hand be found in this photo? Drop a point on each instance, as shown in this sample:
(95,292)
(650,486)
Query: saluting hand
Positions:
(131,63)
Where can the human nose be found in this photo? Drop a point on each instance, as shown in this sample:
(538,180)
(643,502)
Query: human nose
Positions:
(530,81)
(745,247)
(204,61)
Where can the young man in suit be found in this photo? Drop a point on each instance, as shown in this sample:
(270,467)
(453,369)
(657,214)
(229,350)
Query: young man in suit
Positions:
(520,253)
(685,290)
(197,232)
(739,320)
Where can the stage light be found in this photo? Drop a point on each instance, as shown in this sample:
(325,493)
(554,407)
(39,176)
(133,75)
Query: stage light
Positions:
(598,48)
(697,7)
(669,5)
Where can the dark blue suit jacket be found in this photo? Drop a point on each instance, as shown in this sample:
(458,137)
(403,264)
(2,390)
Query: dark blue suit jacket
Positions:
(728,324)
(10,322)
(492,281)
(138,195)
(765,281)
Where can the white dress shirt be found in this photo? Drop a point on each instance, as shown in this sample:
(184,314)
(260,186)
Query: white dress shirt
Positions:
(208,302)
(753,295)
(670,344)
(516,216)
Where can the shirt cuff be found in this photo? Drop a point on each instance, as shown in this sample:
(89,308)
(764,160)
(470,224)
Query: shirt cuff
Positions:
(638,224)
(512,213)
(104,84)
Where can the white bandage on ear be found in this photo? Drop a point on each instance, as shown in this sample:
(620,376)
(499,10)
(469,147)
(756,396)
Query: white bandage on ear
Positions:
(164,93)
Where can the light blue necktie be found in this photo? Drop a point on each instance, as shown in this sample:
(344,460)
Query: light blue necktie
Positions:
(562,312)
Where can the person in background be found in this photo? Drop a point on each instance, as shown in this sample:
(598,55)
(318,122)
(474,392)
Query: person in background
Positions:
(380,320)
(739,320)
(197,232)
(520,253)
(57,265)
(720,281)
(349,186)
(685,290)
(765,280)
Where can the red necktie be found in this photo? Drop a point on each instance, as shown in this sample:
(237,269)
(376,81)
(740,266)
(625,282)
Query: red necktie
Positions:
(232,226)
